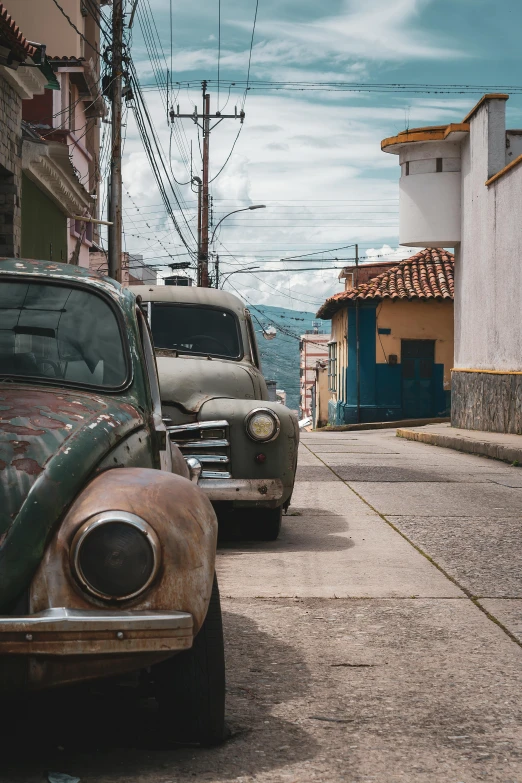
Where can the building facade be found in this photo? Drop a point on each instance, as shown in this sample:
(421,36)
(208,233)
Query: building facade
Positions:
(313,347)
(24,74)
(391,352)
(461,187)
(61,133)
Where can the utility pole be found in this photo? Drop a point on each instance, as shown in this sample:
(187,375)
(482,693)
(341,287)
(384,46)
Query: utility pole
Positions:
(203,121)
(203,260)
(115,184)
(357,342)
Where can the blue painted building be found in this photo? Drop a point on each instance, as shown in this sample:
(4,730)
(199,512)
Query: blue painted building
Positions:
(401,319)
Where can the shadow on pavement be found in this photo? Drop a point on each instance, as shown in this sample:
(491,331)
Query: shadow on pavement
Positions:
(302,530)
(110,731)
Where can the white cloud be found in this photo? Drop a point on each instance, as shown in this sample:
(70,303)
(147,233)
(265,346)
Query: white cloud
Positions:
(377,30)
(313,158)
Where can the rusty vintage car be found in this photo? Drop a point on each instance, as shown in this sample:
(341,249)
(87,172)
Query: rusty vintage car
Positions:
(107,545)
(216,397)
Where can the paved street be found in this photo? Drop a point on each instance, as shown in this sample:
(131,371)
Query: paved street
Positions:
(377,640)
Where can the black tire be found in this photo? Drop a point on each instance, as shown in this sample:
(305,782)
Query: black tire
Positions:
(190,687)
(267,524)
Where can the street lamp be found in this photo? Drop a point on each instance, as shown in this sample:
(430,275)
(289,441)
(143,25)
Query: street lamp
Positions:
(237,271)
(245,209)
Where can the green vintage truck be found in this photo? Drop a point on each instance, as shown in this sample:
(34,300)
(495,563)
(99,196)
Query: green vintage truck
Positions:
(215,397)
(107,547)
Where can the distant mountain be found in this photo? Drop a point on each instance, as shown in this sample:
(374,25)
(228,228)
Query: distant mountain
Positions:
(280,356)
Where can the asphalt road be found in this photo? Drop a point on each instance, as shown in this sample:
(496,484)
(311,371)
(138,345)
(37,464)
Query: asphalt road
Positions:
(377,640)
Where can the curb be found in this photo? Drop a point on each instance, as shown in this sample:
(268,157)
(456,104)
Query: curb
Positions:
(382,425)
(481,447)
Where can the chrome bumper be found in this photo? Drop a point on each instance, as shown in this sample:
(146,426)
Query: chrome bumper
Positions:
(242,489)
(62,631)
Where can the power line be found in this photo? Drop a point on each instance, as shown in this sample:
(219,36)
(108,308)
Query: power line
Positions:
(250,54)
(338,86)
(89,43)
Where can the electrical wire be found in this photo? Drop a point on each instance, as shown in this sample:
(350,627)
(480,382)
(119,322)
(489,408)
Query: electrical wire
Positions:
(229,155)
(338,86)
(89,43)
(156,156)
(250,55)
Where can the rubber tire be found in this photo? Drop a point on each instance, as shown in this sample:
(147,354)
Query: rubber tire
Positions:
(190,686)
(268,524)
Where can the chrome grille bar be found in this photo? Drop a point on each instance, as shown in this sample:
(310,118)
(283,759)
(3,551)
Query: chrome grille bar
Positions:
(206,441)
(200,444)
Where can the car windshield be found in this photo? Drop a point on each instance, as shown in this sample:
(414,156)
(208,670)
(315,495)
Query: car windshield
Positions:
(194,329)
(52,331)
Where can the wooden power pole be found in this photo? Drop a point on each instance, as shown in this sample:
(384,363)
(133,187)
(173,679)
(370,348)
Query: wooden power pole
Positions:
(203,259)
(203,121)
(115,184)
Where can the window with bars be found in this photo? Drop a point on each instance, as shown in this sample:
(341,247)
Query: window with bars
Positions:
(332,366)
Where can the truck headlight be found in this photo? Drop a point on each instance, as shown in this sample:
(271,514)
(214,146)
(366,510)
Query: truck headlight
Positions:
(262,425)
(115,555)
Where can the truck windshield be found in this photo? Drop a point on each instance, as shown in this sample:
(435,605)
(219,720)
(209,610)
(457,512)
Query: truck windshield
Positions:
(195,329)
(51,331)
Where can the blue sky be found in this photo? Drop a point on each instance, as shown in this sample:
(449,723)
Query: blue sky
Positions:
(313,158)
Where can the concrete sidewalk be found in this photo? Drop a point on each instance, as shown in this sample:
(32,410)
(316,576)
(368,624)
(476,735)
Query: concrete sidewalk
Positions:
(496,445)
(378,425)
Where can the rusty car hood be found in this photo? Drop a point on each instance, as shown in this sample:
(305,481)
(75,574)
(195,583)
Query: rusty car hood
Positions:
(189,382)
(50,442)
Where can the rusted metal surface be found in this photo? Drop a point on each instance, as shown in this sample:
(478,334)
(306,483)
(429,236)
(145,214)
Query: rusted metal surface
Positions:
(57,448)
(185,525)
(61,631)
(50,441)
(269,491)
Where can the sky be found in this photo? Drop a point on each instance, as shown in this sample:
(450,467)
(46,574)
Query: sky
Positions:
(312,157)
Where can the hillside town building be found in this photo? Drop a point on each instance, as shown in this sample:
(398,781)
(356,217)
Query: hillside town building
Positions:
(391,351)
(461,187)
(313,347)
(61,134)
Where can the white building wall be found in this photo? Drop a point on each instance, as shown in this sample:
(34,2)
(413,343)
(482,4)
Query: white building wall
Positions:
(488,268)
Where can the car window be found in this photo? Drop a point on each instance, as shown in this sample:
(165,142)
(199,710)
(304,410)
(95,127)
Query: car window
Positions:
(150,362)
(195,329)
(52,331)
(253,341)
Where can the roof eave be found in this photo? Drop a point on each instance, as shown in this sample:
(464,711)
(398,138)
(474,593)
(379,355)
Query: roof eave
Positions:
(455,131)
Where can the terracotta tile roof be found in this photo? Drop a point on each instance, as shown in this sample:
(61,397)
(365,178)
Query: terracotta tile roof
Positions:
(426,275)
(12,36)
(58,60)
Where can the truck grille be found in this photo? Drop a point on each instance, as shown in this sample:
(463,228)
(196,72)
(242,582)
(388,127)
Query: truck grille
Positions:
(207,441)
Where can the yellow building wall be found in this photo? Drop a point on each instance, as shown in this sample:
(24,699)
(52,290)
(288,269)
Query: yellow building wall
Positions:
(322,396)
(413,320)
(408,320)
(339,335)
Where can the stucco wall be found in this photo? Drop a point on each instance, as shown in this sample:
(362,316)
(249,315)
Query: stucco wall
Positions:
(488,265)
(42,21)
(381,393)
(416,321)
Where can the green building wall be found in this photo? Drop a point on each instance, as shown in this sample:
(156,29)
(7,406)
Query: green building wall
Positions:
(44,226)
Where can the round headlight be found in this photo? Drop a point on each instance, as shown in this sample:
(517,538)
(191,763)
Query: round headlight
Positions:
(115,556)
(262,425)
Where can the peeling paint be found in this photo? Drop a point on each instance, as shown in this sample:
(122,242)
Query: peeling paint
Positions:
(27,465)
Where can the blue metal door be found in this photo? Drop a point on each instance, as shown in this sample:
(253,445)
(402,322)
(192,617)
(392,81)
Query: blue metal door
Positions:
(418,382)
